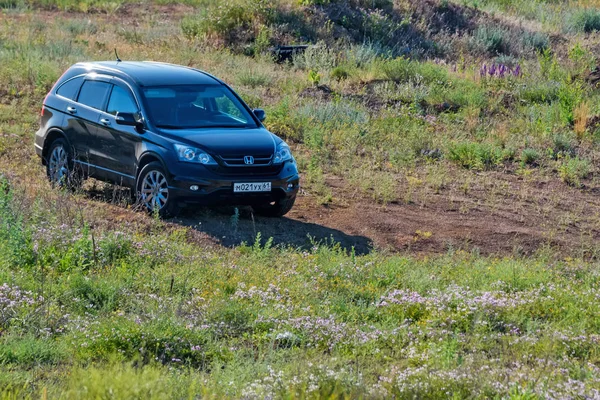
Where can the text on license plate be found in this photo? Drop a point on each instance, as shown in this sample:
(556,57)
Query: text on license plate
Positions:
(252,187)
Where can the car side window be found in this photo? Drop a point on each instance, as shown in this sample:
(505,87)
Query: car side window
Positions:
(70,88)
(93,94)
(121,100)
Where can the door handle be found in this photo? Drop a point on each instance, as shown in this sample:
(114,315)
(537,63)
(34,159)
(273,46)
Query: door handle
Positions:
(72,110)
(105,121)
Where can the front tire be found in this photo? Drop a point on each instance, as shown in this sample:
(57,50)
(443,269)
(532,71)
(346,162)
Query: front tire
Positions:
(152,190)
(276,209)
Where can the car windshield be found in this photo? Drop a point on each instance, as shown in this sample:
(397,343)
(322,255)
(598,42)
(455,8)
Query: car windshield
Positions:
(196,106)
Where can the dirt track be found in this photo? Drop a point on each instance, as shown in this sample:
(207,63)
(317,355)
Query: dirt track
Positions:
(524,219)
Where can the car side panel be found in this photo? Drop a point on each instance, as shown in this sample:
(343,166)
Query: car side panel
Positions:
(79,127)
(116,146)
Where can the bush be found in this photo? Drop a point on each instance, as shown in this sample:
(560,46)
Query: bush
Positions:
(491,39)
(319,58)
(562,146)
(587,20)
(399,69)
(569,96)
(227,20)
(478,155)
(536,40)
(529,156)
(339,74)
(573,170)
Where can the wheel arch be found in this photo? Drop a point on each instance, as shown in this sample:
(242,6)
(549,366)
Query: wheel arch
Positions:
(146,159)
(52,135)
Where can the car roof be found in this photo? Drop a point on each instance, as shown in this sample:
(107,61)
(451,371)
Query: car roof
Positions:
(150,73)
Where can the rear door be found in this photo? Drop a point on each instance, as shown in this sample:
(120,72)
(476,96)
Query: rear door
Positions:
(91,100)
(73,127)
(117,143)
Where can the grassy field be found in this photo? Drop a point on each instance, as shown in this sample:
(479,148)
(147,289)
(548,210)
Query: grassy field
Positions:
(473,112)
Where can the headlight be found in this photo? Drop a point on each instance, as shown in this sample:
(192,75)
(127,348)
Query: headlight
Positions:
(282,153)
(192,154)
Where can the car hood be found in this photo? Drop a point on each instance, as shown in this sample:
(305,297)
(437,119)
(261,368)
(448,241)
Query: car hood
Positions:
(226,142)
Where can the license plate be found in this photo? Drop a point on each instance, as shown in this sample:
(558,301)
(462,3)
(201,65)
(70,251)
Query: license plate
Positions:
(252,187)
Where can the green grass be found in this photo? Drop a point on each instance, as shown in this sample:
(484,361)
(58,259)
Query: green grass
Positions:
(264,321)
(92,307)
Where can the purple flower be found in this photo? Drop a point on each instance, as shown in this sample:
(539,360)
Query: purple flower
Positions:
(517,71)
(483,70)
(502,70)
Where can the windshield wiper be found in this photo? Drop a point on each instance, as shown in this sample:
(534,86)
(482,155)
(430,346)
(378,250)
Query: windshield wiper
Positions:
(201,126)
(170,126)
(221,126)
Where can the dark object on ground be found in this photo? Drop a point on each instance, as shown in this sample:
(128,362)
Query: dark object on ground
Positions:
(286,53)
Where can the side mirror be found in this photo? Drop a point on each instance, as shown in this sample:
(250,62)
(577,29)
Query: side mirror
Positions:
(130,119)
(260,114)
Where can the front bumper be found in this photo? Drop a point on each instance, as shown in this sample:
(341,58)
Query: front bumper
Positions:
(218,190)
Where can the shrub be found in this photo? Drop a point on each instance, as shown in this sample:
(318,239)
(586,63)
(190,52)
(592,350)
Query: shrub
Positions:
(562,146)
(226,20)
(573,169)
(363,54)
(478,155)
(529,156)
(379,27)
(569,96)
(319,57)
(536,40)
(399,69)
(587,20)
(339,74)
(491,39)
(314,77)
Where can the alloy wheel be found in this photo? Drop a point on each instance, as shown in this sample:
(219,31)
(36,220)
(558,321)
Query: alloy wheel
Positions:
(58,165)
(154,191)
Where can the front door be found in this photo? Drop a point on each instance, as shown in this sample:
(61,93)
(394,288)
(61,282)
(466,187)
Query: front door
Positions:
(116,144)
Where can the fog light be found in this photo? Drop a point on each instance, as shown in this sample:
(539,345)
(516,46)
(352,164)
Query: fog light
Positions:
(194,187)
(290,185)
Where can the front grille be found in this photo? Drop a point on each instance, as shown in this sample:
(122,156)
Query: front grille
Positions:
(238,160)
(248,170)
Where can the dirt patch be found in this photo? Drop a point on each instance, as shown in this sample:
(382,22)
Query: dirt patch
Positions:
(521,220)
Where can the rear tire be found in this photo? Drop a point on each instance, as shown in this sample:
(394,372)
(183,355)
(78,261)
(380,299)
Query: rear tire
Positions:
(60,168)
(152,189)
(277,209)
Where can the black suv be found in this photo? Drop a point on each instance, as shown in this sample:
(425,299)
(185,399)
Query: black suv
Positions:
(173,134)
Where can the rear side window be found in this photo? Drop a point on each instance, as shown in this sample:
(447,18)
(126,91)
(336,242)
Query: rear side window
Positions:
(93,94)
(70,88)
(121,100)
